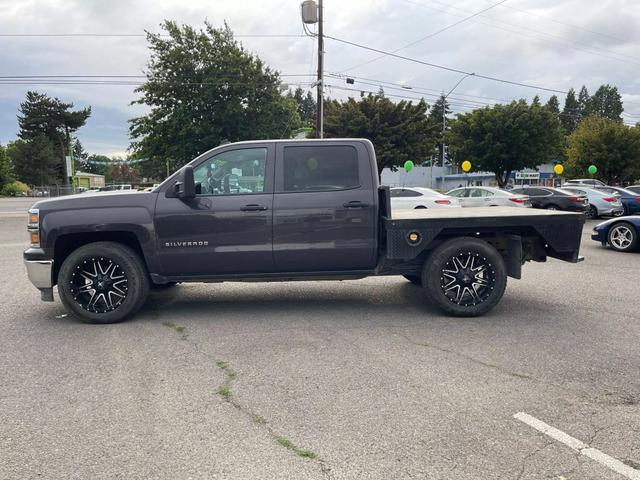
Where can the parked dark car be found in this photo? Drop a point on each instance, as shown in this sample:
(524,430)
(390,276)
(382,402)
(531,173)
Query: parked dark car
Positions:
(621,234)
(554,198)
(630,199)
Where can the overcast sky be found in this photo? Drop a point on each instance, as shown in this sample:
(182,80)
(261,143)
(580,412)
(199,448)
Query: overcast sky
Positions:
(550,43)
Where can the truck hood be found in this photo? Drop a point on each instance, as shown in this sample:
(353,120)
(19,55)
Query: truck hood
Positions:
(97,200)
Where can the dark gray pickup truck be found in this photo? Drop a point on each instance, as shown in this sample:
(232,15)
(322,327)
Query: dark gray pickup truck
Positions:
(280,210)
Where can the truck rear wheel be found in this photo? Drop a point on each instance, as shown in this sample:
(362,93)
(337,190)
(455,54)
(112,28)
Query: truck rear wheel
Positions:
(103,282)
(465,277)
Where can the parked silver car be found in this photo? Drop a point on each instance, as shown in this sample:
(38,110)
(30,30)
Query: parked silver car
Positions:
(600,203)
(488,197)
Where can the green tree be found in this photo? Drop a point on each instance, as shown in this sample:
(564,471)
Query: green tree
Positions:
(571,112)
(80,156)
(607,144)
(34,161)
(436,126)
(607,103)
(505,138)
(43,116)
(399,131)
(584,103)
(5,168)
(306,106)
(553,105)
(203,88)
(97,164)
(536,100)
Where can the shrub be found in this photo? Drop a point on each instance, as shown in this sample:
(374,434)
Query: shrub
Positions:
(14,189)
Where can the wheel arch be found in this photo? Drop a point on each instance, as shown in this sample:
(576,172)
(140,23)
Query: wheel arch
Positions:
(65,244)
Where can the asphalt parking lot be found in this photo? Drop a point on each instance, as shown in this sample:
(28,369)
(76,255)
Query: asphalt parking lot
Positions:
(326,380)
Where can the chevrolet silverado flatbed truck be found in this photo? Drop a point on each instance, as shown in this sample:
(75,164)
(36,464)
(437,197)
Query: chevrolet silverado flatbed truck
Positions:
(280,210)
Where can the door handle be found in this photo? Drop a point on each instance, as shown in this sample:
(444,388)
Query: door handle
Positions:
(253,208)
(355,204)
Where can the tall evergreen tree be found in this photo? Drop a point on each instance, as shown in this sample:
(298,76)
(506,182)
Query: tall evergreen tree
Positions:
(607,103)
(306,106)
(437,126)
(43,116)
(79,156)
(584,103)
(553,105)
(570,115)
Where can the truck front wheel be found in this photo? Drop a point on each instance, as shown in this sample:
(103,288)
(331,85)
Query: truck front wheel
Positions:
(103,282)
(465,277)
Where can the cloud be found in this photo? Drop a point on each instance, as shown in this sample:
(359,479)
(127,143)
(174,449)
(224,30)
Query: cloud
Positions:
(504,42)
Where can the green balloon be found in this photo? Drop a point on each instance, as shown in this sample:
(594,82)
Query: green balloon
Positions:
(408,165)
(592,169)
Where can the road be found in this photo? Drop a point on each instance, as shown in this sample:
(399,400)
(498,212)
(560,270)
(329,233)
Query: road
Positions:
(323,380)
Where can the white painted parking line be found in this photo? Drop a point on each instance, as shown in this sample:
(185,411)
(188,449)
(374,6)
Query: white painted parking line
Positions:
(580,447)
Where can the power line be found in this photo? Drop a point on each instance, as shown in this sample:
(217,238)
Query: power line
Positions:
(565,42)
(437,32)
(415,87)
(54,35)
(577,27)
(442,67)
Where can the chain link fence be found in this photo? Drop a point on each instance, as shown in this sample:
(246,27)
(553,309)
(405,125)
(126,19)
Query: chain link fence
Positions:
(52,191)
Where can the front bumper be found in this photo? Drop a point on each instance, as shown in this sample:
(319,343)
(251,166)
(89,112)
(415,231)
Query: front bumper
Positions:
(40,274)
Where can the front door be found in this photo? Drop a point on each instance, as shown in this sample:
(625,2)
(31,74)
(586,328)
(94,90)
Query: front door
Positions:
(227,228)
(324,208)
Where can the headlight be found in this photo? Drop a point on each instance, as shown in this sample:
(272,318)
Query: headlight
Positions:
(33,227)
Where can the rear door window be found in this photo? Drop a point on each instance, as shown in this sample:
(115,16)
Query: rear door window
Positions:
(320,168)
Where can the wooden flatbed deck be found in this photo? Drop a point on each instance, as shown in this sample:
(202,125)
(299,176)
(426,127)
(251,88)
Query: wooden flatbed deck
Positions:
(477,212)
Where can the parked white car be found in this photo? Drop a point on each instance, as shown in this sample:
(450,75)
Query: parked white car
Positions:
(600,203)
(403,198)
(488,197)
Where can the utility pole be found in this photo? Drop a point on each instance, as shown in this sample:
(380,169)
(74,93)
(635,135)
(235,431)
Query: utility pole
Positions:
(320,99)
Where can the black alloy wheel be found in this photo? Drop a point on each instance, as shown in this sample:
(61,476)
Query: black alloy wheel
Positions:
(103,282)
(465,277)
(468,279)
(99,284)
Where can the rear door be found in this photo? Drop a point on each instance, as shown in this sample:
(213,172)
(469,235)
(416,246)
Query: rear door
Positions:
(324,207)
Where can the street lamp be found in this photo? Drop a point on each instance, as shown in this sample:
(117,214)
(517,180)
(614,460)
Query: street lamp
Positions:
(444,118)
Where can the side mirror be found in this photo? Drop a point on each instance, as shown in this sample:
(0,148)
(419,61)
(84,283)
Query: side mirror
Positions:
(185,187)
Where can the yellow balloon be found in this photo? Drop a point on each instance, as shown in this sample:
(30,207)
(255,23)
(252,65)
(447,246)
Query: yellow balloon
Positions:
(466,165)
(558,169)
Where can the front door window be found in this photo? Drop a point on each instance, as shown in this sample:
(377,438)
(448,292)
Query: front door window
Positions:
(232,173)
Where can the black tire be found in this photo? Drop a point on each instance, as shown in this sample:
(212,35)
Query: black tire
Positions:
(420,207)
(466,255)
(591,212)
(415,279)
(121,282)
(552,207)
(622,237)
